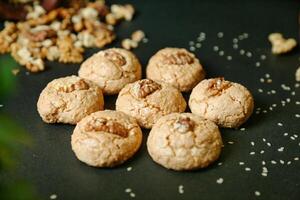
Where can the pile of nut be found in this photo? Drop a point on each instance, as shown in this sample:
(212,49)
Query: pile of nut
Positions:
(61,34)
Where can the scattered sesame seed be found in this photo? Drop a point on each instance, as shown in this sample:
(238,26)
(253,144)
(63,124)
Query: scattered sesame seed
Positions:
(129,169)
(249,54)
(128,190)
(221,53)
(191,43)
(53,196)
(285,87)
(264,140)
(220,180)
(216,48)
(292,138)
(220,163)
(279,124)
(273,91)
(247,169)
(297,115)
(263,162)
(264,174)
(132,194)
(297,103)
(289,162)
(281,161)
(242,129)
(242,51)
(262,152)
(252,143)
(257,193)
(274,105)
(273,162)
(280,149)
(229,57)
(297,85)
(235,40)
(230,142)
(265,169)
(271,108)
(257,64)
(241,163)
(257,112)
(262,80)
(220,34)
(180,189)
(285,134)
(296,158)
(198,45)
(192,48)
(260,90)
(145,40)
(269,80)
(1,105)
(267,75)
(293,93)
(235,46)
(269,144)
(252,153)
(241,37)
(296,136)
(263,57)
(246,35)
(288,100)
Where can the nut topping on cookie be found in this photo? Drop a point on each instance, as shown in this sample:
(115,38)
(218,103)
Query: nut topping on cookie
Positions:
(107,126)
(184,125)
(145,87)
(115,57)
(79,85)
(178,58)
(219,84)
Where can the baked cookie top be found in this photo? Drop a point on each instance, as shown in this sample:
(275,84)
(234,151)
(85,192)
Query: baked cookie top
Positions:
(111,69)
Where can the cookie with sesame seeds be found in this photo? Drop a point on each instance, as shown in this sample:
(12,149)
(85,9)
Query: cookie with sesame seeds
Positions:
(69,99)
(147,100)
(175,66)
(184,141)
(111,69)
(226,103)
(106,138)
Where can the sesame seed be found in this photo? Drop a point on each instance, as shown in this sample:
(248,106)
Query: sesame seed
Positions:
(235,40)
(1,105)
(267,75)
(230,142)
(297,102)
(242,51)
(262,152)
(220,180)
(247,169)
(269,80)
(293,93)
(263,162)
(296,158)
(297,85)
(229,57)
(246,35)
(285,134)
(296,136)
(264,174)
(241,163)
(221,53)
(263,57)
(53,196)
(262,80)
(220,34)
(288,100)
(198,45)
(129,169)
(289,162)
(132,194)
(257,193)
(260,90)
(269,144)
(192,48)
(292,138)
(271,108)
(216,48)
(274,105)
(128,190)
(264,140)
(285,87)
(280,149)
(273,91)
(242,129)
(257,64)
(252,153)
(180,189)
(273,162)
(297,115)
(220,163)
(191,43)
(241,37)
(265,169)
(281,161)
(249,54)
(279,124)
(145,40)
(235,46)
(252,143)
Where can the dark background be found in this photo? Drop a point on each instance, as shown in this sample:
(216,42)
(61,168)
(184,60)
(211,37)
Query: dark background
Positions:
(53,169)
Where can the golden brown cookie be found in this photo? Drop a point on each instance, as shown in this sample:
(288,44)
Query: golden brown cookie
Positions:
(68,100)
(226,103)
(184,141)
(177,67)
(106,138)
(147,101)
(111,69)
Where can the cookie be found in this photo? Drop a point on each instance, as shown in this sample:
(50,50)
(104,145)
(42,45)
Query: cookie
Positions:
(226,103)
(177,67)
(184,141)
(106,138)
(68,100)
(147,101)
(111,69)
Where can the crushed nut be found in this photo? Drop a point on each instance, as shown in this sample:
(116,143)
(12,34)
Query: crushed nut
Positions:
(120,11)
(218,85)
(145,87)
(78,85)
(129,44)
(107,126)
(138,36)
(15,72)
(115,57)
(281,45)
(184,125)
(178,58)
(68,52)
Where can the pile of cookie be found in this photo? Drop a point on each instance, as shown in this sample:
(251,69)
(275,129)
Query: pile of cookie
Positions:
(177,140)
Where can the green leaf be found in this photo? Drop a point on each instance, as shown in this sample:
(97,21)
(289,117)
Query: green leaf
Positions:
(7,79)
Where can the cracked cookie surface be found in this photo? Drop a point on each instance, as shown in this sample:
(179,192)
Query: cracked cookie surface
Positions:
(184,141)
(111,69)
(68,100)
(226,103)
(106,138)
(147,101)
(177,67)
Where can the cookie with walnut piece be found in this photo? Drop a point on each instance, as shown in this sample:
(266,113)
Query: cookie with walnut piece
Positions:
(147,101)
(68,100)
(226,103)
(106,138)
(177,67)
(184,141)
(111,69)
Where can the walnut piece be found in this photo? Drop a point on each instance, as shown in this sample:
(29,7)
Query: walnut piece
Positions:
(115,57)
(280,45)
(178,58)
(219,85)
(145,87)
(184,124)
(107,126)
(79,85)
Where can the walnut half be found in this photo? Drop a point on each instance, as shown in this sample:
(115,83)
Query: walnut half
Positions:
(145,87)
(79,85)
(115,57)
(184,124)
(177,58)
(107,126)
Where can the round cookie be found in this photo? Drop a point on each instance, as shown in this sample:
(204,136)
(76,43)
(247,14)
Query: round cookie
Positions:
(111,69)
(106,138)
(147,101)
(177,67)
(226,103)
(68,100)
(184,141)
